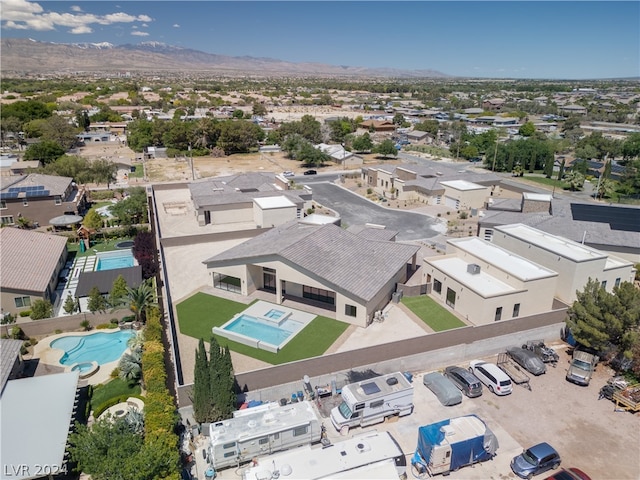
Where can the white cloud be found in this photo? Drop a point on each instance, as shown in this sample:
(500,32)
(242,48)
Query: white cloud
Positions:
(176,25)
(25,15)
(138,33)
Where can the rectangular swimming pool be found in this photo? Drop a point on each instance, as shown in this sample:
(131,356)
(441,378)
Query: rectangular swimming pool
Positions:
(113,260)
(252,327)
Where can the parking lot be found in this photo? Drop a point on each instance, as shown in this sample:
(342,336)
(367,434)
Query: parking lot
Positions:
(588,433)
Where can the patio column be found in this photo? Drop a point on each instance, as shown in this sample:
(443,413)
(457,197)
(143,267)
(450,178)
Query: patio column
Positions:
(413,262)
(279,298)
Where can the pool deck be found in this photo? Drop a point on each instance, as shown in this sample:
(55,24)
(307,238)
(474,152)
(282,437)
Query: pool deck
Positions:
(50,357)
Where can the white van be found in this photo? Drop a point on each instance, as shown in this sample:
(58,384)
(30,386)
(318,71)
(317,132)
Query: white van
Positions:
(492,376)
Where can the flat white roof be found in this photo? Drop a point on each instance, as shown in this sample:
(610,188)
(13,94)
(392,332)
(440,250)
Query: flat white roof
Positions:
(559,245)
(266,203)
(462,185)
(505,260)
(482,283)
(538,197)
(616,262)
(35,415)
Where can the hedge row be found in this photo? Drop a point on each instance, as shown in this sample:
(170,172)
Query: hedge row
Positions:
(160,414)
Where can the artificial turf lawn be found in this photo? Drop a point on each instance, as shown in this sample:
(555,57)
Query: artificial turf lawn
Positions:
(431,313)
(197,315)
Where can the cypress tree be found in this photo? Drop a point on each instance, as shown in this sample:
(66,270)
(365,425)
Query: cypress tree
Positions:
(201,394)
(215,379)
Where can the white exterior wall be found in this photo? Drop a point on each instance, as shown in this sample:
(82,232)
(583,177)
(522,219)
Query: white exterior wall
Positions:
(572,275)
(235,214)
(273,217)
(534,296)
(468,198)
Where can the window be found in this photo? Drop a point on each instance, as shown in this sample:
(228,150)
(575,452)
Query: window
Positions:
(3,204)
(376,404)
(300,431)
(8,220)
(604,284)
(319,294)
(498,314)
(451,298)
(437,286)
(229,445)
(224,282)
(58,200)
(350,310)
(617,282)
(516,310)
(264,440)
(22,302)
(229,454)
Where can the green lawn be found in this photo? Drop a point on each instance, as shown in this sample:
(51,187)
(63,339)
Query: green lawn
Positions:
(198,314)
(116,387)
(98,245)
(552,182)
(431,313)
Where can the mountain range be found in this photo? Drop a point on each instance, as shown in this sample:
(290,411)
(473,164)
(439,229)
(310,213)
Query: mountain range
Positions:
(30,56)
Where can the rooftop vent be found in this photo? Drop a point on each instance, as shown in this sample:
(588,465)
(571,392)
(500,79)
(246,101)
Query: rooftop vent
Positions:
(473,268)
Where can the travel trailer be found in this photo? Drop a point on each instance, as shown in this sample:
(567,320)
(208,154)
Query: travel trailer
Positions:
(371,401)
(262,430)
(369,456)
(454,443)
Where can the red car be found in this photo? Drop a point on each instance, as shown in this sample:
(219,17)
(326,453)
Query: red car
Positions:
(569,474)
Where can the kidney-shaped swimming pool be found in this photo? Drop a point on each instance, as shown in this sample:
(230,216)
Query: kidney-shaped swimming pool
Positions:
(101,347)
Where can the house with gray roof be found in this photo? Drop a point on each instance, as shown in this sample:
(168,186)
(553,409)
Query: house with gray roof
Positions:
(259,199)
(11,363)
(103,280)
(353,275)
(432,185)
(613,229)
(39,198)
(30,263)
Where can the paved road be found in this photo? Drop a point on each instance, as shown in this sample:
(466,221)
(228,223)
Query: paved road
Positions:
(356,210)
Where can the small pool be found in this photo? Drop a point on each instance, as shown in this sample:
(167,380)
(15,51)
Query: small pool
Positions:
(113,260)
(274,314)
(98,347)
(124,244)
(84,367)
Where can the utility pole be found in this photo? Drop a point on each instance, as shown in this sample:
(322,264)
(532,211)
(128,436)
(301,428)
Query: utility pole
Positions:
(193,173)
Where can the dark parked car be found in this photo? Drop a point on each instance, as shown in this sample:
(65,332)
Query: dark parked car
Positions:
(310,172)
(527,360)
(466,381)
(569,474)
(535,460)
(441,386)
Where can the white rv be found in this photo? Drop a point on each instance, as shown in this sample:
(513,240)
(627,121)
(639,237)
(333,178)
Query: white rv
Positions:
(261,431)
(370,456)
(372,401)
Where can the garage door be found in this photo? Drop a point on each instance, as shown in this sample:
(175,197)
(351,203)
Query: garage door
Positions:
(452,202)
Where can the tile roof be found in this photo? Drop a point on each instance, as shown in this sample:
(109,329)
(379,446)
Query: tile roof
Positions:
(9,351)
(104,279)
(28,258)
(348,262)
(229,190)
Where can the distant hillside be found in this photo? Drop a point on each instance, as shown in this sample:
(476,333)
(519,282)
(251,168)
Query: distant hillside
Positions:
(26,55)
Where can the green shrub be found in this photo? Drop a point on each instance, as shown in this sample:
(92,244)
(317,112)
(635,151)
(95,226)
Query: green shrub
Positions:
(85,325)
(17,333)
(33,341)
(103,326)
(57,331)
(25,313)
(101,195)
(114,321)
(369,191)
(464,215)
(115,373)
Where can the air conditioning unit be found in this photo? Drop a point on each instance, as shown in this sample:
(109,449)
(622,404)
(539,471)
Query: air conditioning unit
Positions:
(473,268)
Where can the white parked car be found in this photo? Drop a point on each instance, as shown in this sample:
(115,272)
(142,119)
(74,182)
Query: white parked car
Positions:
(492,376)
(288,174)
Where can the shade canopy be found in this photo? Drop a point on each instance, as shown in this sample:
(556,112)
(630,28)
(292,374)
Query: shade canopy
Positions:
(65,220)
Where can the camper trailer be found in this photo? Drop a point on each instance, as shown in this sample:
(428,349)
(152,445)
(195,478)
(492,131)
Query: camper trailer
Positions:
(371,401)
(369,456)
(262,430)
(451,444)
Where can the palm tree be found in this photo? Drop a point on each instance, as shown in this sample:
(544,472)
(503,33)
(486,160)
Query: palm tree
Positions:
(575,180)
(140,298)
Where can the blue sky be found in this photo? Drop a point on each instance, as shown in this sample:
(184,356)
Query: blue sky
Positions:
(504,39)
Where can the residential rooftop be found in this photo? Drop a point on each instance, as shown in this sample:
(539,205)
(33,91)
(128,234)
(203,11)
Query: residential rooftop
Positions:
(505,260)
(482,283)
(28,258)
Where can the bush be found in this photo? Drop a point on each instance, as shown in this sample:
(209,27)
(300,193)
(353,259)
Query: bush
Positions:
(25,313)
(464,215)
(115,321)
(104,326)
(33,341)
(101,194)
(17,333)
(57,331)
(85,325)
(115,373)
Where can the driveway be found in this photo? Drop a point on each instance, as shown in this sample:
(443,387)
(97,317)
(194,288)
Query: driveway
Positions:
(356,210)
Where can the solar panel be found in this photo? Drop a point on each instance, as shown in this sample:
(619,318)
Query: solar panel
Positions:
(618,218)
(370,388)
